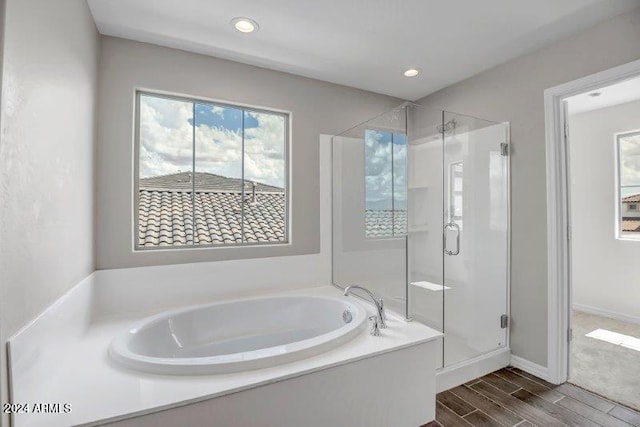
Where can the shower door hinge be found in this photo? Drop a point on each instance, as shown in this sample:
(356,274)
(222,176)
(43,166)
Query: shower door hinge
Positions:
(504,149)
(570,335)
(504,321)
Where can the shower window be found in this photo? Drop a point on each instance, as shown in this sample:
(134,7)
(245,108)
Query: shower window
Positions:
(628,147)
(209,174)
(385,184)
(455,192)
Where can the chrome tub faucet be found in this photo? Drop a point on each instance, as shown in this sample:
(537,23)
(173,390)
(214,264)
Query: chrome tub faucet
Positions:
(381,320)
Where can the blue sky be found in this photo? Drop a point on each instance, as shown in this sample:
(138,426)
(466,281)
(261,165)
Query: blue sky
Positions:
(228,118)
(166,140)
(166,146)
(630,164)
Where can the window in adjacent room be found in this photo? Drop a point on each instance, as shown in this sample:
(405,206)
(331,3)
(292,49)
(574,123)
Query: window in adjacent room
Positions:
(209,174)
(628,145)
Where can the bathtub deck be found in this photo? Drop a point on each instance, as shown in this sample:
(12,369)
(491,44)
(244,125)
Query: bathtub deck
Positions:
(100,390)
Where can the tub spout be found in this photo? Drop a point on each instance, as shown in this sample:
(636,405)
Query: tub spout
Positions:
(378,302)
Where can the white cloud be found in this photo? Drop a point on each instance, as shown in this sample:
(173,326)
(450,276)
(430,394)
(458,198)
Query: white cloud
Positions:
(265,150)
(219,151)
(166,144)
(218,110)
(630,160)
(165,136)
(380,177)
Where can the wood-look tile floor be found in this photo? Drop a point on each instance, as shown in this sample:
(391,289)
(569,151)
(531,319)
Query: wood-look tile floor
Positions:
(511,397)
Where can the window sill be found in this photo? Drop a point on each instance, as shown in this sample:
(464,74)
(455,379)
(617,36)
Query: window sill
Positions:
(628,238)
(208,247)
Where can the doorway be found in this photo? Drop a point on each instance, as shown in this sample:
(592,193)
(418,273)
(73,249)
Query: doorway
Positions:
(604,194)
(593,178)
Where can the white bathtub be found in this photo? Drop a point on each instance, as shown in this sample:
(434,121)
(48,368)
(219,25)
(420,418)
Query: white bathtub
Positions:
(238,335)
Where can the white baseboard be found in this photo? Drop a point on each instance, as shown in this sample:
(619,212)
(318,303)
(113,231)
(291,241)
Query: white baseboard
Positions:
(606,313)
(468,370)
(530,367)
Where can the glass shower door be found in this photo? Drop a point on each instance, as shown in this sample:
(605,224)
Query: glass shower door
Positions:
(420,217)
(475,237)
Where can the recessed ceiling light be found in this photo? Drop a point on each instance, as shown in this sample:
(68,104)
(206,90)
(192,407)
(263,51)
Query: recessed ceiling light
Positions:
(594,94)
(411,72)
(244,25)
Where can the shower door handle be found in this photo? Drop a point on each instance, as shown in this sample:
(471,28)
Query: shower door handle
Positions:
(452,226)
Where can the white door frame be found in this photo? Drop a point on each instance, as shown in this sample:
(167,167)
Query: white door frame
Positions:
(558,212)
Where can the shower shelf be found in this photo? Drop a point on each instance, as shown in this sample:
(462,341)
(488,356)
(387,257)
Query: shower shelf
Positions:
(430,286)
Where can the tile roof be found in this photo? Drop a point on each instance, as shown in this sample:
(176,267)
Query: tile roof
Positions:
(631,224)
(166,217)
(380,223)
(204,182)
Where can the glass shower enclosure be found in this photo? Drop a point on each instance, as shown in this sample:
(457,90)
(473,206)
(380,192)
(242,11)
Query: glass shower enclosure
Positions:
(421,217)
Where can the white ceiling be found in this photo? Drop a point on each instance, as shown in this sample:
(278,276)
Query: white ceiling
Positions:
(616,94)
(360,43)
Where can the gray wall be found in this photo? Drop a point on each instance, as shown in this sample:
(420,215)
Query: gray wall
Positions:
(3,355)
(49,86)
(514,92)
(604,269)
(317,107)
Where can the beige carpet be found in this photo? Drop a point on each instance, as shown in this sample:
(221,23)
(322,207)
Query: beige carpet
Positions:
(607,369)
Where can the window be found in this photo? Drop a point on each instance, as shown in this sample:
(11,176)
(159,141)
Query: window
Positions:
(456,175)
(209,174)
(628,145)
(385,184)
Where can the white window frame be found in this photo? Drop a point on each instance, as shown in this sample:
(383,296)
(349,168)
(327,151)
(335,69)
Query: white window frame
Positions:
(224,104)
